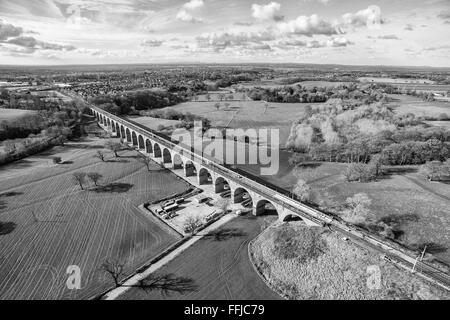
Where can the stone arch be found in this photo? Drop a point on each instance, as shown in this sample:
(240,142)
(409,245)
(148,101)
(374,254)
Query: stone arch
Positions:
(148,146)
(221,185)
(157,151)
(265,207)
(204,177)
(190,169)
(118,131)
(134,138)
(122,132)
(167,156)
(128,135)
(177,161)
(113,126)
(241,195)
(141,142)
(108,122)
(291,217)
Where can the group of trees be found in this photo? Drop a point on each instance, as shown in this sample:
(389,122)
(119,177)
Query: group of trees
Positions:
(187,119)
(134,101)
(81,177)
(436,170)
(338,133)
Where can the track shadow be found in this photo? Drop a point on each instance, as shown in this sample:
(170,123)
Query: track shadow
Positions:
(11,194)
(167,284)
(225,234)
(7,227)
(114,188)
(431,247)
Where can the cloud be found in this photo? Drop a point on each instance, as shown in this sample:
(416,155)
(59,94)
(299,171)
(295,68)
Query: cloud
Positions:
(308,26)
(8,30)
(312,44)
(222,40)
(442,47)
(32,43)
(409,27)
(193,4)
(151,43)
(269,11)
(367,17)
(185,16)
(444,14)
(385,37)
(243,24)
(13,40)
(389,37)
(185,13)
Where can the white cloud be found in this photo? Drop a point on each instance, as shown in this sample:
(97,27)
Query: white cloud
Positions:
(185,16)
(193,4)
(308,26)
(370,17)
(185,13)
(269,11)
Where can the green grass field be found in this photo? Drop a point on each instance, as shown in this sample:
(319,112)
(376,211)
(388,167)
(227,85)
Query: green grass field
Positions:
(49,223)
(247,114)
(313,263)
(13,114)
(419,206)
(405,104)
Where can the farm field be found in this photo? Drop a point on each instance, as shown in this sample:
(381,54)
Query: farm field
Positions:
(13,114)
(247,114)
(48,223)
(217,267)
(153,123)
(314,263)
(408,104)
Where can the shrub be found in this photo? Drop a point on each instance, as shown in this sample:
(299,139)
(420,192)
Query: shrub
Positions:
(57,160)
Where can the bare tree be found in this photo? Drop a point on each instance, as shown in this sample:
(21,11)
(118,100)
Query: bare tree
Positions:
(217,105)
(358,208)
(147,162)
(100,155)
(115,268)
(80,178)
(114,147)
(191,223)
(302,190)
(94,177)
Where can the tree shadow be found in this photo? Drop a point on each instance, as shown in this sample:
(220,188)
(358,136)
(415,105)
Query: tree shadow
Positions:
(309,165)
(117,161)
(225,234)
(399,171)
(116,187)
(398,220)
(167,284)
(7,227)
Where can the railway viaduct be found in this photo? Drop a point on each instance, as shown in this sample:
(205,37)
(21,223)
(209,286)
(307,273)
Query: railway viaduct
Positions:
(207,171)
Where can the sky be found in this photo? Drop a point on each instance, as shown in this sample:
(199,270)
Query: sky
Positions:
(352,32)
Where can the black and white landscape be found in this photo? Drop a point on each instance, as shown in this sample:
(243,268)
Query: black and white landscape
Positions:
(224,150)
